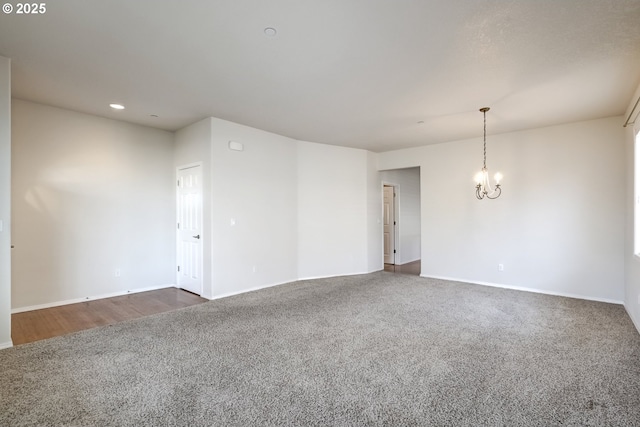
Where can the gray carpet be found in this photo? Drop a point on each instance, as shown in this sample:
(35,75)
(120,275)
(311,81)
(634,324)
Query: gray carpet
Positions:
(376,349)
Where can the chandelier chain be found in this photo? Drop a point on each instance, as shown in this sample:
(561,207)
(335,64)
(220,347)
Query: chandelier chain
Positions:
(485,139)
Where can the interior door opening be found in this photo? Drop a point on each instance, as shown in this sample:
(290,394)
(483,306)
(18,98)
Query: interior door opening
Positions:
(402,220)
(389,224)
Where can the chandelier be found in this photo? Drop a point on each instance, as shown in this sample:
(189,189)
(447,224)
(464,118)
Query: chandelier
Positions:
(483,184)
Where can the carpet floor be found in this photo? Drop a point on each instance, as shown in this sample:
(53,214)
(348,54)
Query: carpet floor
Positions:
(379,349)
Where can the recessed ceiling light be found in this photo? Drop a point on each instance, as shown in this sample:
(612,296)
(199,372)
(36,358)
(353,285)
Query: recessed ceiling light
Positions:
(153,115)
(421,122)
(117,106)
(270,32)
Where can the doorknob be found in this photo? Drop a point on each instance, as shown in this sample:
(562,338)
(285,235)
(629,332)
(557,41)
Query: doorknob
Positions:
(196,237)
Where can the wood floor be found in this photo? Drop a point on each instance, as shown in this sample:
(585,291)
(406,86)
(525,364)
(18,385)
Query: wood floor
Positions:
(50,322)
(412,268)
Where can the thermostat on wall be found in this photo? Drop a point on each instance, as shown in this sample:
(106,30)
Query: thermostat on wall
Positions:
(236,146)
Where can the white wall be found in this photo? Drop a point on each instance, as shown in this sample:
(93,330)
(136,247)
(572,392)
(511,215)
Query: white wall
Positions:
(90,195)
(407,182)
(193,145)
(257,189)
(558,226)
(632,262)
(332,210)
(5,202)
(375,251)
(298,209)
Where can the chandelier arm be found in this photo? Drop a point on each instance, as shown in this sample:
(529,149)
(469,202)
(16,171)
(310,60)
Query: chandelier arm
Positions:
(478,191)
(498,190)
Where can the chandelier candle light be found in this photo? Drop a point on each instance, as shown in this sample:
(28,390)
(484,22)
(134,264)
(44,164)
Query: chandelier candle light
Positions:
(483,185)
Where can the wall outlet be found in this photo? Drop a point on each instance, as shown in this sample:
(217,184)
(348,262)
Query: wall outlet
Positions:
(117,272)
(500,267)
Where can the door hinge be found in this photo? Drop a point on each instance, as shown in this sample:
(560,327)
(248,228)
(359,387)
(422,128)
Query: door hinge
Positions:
(394,223)
(178,183)
(178,226)
(178,268)
(394,251)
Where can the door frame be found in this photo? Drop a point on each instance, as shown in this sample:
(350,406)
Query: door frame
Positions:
(396,211)
(175,222)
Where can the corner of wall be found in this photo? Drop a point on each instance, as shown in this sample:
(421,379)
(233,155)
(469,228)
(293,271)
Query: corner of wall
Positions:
(5,202)
(374,214)
(631,261)
(192,144)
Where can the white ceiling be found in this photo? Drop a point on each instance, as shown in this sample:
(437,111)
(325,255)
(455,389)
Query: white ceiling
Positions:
(358,73)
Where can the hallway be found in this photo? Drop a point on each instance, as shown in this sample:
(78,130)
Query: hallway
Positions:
(412,268)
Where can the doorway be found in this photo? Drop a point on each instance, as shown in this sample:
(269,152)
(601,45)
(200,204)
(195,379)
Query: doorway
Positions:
(189,228)
(401,214)
(389,224)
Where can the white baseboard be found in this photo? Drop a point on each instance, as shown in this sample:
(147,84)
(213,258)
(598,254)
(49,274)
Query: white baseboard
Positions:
(336,275)
(4,345)
(635,323)
(257,288)
(244,291)
(520,288)
(89,298)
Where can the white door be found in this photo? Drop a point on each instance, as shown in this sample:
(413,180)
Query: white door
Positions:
(190,229)
(389,225)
